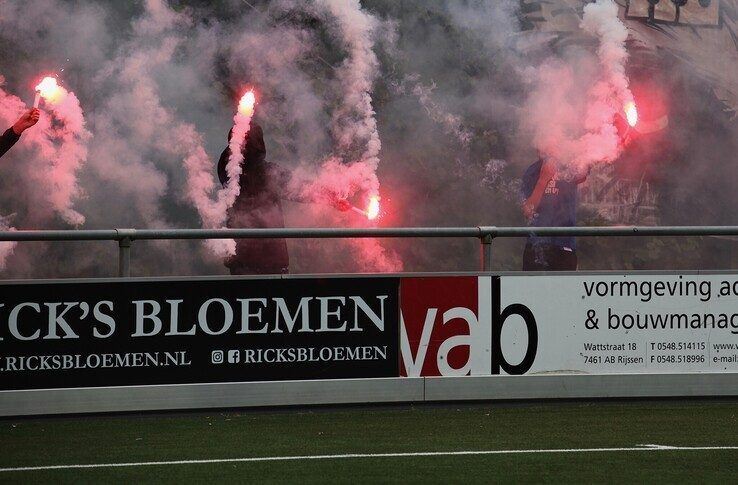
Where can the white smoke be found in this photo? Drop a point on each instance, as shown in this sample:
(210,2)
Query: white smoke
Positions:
(354,125)
(145,153)
(137,110)
(217,211)
(234,167)
(133,129)
(6,247)
(601,19)
(574,102)
(451,123)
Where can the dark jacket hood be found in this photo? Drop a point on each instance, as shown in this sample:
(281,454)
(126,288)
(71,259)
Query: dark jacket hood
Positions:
(254,152)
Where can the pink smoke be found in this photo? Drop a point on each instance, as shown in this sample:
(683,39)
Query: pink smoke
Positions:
(354,126)
(61,139)
(335,180)
(6,247)
(67,131)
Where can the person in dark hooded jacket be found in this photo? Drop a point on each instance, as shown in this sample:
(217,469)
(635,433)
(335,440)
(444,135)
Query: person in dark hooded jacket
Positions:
(12,134)
(263,185)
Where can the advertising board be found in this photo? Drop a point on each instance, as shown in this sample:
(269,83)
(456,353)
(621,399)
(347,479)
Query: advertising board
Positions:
(601,324)
(148,332)
(88,334)
(452,326)
(571,323)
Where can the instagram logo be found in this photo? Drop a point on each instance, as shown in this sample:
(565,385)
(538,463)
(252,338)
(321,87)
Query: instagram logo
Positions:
(217,356)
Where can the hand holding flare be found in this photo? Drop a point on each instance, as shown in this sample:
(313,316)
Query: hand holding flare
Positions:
(371,212)
(26,121)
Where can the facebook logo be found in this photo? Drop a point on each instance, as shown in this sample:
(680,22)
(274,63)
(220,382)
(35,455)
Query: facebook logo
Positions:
(234,356)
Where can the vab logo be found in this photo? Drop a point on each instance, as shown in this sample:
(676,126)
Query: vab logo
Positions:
(453,327)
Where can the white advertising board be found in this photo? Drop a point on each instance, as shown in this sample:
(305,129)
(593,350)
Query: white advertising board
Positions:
(603,324)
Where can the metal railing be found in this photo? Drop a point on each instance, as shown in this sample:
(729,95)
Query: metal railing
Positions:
(485,234)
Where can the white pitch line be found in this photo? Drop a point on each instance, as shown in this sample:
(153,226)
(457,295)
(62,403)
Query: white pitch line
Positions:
(369,455)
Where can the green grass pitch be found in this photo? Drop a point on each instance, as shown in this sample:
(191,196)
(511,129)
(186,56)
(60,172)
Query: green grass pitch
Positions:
(30,442)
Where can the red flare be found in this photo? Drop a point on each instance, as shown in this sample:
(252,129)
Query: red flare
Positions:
(49,90)
(372,211)
(247,103)
(631,113)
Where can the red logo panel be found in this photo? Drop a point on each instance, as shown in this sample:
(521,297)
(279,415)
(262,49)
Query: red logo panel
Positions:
(441,329)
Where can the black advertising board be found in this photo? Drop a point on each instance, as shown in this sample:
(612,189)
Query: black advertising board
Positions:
(144,332)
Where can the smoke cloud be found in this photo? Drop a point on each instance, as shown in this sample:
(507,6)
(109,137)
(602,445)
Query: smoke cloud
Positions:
(67,150)
(200,184)
(59,145)
(574,130)
(455,97)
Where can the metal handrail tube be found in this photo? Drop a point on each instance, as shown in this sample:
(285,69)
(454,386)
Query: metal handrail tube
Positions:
(308,233)
(382,232)
(61,235)
(485,234)
(615,231)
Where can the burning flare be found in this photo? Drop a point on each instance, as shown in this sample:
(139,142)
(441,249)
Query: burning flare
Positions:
(49,90)
(631,113)
(372,211)
(246,105)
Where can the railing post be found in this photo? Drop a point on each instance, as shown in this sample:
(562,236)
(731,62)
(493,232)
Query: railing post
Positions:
(125,239)
(124,257)
(487,252)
